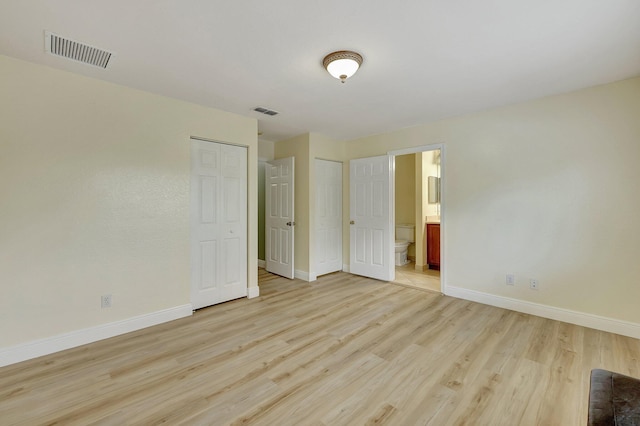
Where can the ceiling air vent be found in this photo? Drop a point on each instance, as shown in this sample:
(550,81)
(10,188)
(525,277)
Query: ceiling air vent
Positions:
(265,111)
(76,51)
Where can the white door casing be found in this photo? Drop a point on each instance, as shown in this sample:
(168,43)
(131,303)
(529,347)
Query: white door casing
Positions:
(279,216)
(218,223)
(372,217)
(328,218)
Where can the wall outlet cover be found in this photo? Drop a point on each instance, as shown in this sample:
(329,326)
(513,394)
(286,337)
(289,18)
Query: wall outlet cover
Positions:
(105,301)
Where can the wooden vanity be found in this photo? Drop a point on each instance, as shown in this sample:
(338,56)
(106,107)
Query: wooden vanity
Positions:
(433,245)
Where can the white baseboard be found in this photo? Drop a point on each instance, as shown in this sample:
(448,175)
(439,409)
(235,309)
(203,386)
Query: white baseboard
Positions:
(304,276)
(262,264)
(253,292)
(611,325)
(49,345)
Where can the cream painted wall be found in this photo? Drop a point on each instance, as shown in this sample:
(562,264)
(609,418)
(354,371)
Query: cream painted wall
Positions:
(266,150)
(405,193)
(261,210)
(405,188)
(94,183)
(545,189)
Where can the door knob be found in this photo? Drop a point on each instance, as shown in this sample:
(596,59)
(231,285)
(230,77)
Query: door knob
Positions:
(291,223)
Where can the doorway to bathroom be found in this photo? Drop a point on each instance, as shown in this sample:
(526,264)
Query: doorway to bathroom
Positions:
(418,209)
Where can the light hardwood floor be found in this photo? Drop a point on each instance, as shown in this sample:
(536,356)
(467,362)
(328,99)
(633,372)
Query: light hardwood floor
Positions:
(427,279)
(343,350)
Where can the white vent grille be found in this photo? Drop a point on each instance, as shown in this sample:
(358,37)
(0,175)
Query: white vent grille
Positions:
(266,111)
(76,51)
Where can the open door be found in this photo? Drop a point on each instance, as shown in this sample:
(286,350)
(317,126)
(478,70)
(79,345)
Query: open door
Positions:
(372,223)
(279,216)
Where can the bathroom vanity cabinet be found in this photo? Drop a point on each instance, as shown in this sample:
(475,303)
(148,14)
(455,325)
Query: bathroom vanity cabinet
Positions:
(433,245)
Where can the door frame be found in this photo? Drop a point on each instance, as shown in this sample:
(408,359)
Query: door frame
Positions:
(443,201)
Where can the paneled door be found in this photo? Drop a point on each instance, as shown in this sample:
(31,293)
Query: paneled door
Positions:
(218,223)
(371,229)
(328,212)
(279,216)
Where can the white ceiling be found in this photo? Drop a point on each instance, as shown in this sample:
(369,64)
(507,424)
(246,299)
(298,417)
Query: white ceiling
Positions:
(423,59)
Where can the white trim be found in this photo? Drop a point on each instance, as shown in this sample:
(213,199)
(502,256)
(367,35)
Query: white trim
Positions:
(443,218)
(345,268)
(443,202)
(198,138)
(49,345)
(304,275)
(253,292)
(326,159)
(262,263)
(416,149)
(611,325)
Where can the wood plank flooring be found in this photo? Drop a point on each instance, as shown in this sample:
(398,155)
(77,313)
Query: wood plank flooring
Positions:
(343,350)
(427,279)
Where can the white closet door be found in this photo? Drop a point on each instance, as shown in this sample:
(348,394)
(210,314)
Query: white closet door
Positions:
(328,211)
(218,223)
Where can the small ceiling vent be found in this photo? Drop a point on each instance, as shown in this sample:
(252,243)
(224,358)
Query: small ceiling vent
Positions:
(265,111)
(76,51)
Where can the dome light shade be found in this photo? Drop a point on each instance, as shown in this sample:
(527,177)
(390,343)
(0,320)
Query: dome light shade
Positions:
(342,64)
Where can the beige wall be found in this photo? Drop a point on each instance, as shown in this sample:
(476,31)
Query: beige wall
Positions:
(545,189)
(405,193)
(405,185)
(94,186)
(266,150)
(265,153)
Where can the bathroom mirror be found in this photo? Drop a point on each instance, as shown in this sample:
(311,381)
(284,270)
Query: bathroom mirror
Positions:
(434,189)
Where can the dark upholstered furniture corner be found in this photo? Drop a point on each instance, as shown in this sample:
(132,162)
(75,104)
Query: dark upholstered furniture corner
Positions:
(614,399)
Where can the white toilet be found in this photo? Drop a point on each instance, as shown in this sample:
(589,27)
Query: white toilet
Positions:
(405,235)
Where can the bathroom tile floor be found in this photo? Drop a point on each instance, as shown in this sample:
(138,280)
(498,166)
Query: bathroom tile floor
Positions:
(425,280)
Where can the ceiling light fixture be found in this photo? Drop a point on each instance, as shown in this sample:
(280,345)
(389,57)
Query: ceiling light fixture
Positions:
(342,64)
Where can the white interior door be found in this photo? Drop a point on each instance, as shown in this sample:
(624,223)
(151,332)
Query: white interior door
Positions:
(218,223)
(372,222)
(328,209)
(279,216)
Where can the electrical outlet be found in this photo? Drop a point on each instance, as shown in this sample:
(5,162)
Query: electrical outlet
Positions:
(105,301)
(511,279)
(533,284)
